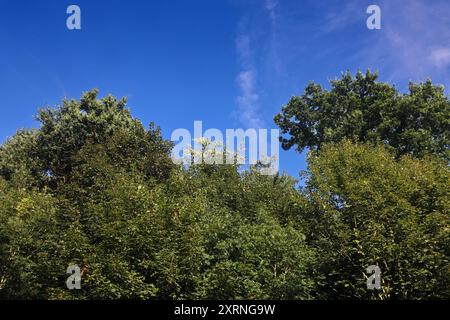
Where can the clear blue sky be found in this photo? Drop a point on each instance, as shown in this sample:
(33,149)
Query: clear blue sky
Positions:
(230,63)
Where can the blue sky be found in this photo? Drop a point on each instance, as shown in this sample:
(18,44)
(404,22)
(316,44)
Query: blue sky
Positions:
(230,63)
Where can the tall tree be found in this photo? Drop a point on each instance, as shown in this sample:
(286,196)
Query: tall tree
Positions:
(363,109)
(51,152)
(92,187)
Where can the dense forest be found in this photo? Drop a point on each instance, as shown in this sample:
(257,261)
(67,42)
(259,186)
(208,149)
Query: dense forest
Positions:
(92,186)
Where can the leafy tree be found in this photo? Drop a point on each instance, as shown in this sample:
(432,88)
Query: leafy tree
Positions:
(363,109)
(91,187)
(49,153)
(29,246)
(17,162)
(369,209)
(259,260)
(255,247)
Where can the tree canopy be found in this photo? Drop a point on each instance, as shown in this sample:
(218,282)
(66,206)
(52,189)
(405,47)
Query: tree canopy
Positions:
(93,187)
(363,109)
(367,208)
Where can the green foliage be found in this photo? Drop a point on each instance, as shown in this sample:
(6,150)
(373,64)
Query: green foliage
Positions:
(369,209)
(362,109)
(377,185)
(93,187)
(50,154)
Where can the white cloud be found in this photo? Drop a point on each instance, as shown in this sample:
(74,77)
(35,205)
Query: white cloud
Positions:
(440,57)
(342,16)
(270,6)
(246,80)
(414,42)
(250,43)
(277,47)
(248,99)
(243,48)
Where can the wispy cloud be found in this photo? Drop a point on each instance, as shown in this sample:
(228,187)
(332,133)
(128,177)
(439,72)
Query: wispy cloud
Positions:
(244,49)
(284,44)
(340,17)
(270,6)
(250,43)
(248,100)
(440,57)
(414,41)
